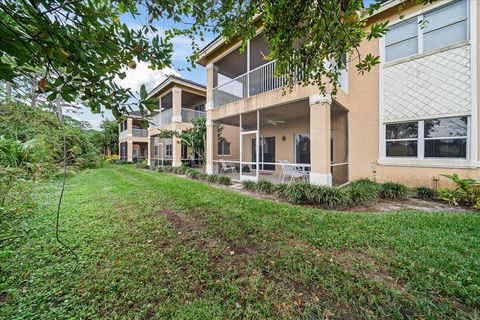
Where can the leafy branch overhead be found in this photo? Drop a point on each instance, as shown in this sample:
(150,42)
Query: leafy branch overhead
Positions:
(79,48)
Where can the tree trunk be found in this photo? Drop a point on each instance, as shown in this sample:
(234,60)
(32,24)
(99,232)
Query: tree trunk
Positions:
(33,101)
(8,91)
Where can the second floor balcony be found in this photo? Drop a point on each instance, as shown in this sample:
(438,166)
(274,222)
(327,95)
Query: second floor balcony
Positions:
(166,117)
(141,133)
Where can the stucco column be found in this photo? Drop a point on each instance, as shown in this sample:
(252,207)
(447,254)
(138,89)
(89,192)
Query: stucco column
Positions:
(129,127)
(212,132)
(320,140)
(176,152)
(212,76)
(177,104)
(149,148)
(129,151)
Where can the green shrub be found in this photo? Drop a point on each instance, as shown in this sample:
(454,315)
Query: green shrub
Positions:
(264,186)
(363,192)
(192,173)
(141,165)
(203,176)
(224,180)
(466,191)
(299,192)
(424,193)
(392,190)
(280,190)
(181,170)
(120,161)
(160,169)
(168,169)
(332,197)
(249,184)
(213,178)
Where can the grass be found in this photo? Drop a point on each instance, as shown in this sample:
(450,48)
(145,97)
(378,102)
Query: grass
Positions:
(154,245)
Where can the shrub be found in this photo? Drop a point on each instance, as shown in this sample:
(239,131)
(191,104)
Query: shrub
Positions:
(392,190)
(167,169)
(280,189)
(224,180)
(203,176)
(111,159)
(332,197)
(363,192)
(181,169)
(299,192)
(141,165)
(249,185)
(466,191)
(160,169)
(424,193)
(192,173)
(264,186)
(213,178)
(120,161)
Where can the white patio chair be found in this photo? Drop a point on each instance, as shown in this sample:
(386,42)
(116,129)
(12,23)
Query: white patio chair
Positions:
(292,172)
(227,167)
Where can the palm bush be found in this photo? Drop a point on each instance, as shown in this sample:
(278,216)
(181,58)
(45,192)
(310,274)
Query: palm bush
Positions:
(213,178)
(192,173)
(465,192)
(392,190)
(299,192)
(141,165)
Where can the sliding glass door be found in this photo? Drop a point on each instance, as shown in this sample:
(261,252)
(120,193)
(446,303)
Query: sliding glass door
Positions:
(267,152)
(302,148)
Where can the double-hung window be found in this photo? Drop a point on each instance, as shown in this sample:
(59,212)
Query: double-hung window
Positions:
(424,139)
(223,147)
(435,29)
(402,139)
(168,150)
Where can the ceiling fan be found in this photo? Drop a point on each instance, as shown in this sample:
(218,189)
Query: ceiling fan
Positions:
(274,122)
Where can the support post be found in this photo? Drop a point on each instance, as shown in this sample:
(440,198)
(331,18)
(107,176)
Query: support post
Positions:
(320,140)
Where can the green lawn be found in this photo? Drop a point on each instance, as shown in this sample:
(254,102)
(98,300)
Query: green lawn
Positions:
(154,245)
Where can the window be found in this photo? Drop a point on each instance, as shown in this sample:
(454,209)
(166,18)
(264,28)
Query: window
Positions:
(438,28)
(223,147)
(432,138)
(155,151)
(444,26)
(446,138)
(402,139)
(302,148)
(402,40)
(168,150)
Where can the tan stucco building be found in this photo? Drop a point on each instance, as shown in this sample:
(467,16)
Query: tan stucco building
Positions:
(410,119)
(133,138)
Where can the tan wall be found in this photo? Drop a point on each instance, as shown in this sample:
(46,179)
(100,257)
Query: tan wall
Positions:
(232,135)
(362,102)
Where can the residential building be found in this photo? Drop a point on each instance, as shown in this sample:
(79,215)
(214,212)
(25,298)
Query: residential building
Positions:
(180,101)
(133,138)
(411,119)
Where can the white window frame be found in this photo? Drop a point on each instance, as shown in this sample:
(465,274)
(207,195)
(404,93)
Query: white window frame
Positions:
(420,31)
(421,159)
(223,141)
(169,150)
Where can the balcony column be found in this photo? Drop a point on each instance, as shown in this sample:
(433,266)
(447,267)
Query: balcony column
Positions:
(129,127)
(177,104)
(212,133)
(320,173)
(212,76)
(176,152)
(149,149)
(129,151)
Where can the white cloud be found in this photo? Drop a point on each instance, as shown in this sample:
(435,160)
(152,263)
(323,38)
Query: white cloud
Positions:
(142,74)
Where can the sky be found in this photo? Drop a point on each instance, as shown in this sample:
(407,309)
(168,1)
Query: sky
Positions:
(151,78)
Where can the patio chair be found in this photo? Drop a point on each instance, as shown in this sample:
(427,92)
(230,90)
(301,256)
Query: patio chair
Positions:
(291,171)
(227,167)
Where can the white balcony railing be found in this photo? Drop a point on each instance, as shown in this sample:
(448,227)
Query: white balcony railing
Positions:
(256,81)
(163,118)
(188,115)
(166,117)
(123,134)
(140,133)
